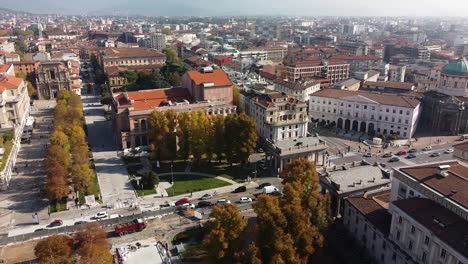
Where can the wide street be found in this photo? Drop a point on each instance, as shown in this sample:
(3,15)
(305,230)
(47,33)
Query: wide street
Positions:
(25,195)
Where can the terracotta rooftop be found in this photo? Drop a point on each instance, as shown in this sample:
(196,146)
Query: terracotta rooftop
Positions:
(131,53)
(374,209)
(443,223)
(454,186)
(150,99)
(217,77)
(393,85)
(355,57)
(462,146)
(9,82)
(4,67)
(381,98)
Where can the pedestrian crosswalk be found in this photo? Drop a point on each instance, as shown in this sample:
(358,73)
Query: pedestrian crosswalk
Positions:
(123,204)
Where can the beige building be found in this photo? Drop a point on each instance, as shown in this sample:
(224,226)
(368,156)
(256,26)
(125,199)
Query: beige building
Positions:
(209,91)
(52,77)
(14,111)
(130,57)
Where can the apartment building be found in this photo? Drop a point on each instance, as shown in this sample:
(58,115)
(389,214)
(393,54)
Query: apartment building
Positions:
(299,90)
(335,71)
(130,57)
(367,112)
(282,123)
(14,110)
(360,63)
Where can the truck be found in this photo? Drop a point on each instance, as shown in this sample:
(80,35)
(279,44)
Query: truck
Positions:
(134,226)
(270,189)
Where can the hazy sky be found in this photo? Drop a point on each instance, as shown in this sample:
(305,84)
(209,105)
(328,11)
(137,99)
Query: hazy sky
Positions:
(247,7)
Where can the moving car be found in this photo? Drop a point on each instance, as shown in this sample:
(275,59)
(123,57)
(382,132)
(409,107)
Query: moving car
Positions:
(427,148)
(401,152)
(368,155)
(387,155)
(245,200)
(394,159)
(187,205)
(55,223)
(411,156)
(435,154)
(182,201)
(223,201)
(202,204)
(100,215)
(413,150)
(80,222)
(240,189)
(206,196)
(448,151)
(263,185)
(270,189)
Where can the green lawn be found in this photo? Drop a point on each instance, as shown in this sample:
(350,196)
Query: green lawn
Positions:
(189,183)
(223,169)
(8,146)
(59,206)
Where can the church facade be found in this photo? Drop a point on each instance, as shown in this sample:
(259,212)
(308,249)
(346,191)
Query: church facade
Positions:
(446,106)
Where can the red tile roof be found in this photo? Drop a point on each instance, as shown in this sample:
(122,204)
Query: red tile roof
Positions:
(4,67)
(150,99)
(443,223)
(217,77)
(393,85)
(352,57)
(9,82)
(381,98)
(462,146)
(454,186)
(371,208)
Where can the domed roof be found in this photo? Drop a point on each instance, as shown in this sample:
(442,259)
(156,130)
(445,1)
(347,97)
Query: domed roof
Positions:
(456,67)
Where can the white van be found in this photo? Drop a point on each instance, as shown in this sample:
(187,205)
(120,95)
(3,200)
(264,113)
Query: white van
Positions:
(270,189)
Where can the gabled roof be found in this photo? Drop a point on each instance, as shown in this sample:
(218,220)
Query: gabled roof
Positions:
(151,99)
(217,77)
(9,82)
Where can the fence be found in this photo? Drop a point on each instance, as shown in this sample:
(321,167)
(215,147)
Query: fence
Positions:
(72,229)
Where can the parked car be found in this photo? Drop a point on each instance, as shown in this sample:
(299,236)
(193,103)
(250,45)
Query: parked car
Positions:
(245,200)
(394,159)
(435,154)
(223,201)
(368,155)
(55,223)
(240,189)
(270,189)
(202,204)
(401,152)
(182,201)
(411,156)
(100,215)
(80,222)
(427,148)
(187,205)
(448,151)
(263,185)
(206,196)
(276,193)
(413,150)
(387,155)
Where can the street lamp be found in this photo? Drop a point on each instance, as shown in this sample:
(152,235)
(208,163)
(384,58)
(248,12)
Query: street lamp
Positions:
(172,179)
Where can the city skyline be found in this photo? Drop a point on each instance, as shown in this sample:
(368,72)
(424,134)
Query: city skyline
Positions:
(242,7)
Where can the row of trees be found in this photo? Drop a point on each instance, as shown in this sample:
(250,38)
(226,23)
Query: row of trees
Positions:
(196,134)
(67,160)
(90,245)
(288,229)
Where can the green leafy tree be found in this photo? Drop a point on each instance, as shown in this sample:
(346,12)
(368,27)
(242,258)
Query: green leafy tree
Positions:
(170,142)
(60,139)
(148,180)
(184,134)
(130,76)
(166,31)
(171,56)
(159,129)
(81,176)
(199,137)
(248,134)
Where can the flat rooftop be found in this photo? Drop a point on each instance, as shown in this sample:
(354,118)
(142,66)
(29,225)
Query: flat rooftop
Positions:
(356,178)
(300,145)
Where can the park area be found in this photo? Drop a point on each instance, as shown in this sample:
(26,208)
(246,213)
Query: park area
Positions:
(191,183)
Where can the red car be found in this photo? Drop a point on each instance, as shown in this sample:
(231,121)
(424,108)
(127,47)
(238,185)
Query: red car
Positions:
(401,152)
(182,201)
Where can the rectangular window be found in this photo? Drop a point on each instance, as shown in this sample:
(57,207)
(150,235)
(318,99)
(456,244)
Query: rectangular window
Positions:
(424,256)
(394,111)
(426,240)
(410,245)
(443,253)
(413,229)
(400,219)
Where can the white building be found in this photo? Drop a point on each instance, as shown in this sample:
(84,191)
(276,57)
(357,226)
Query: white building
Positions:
(430,212)
(7,46)
(155,41)
(282,123)
(14,111)
(299,90)
(367,112)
